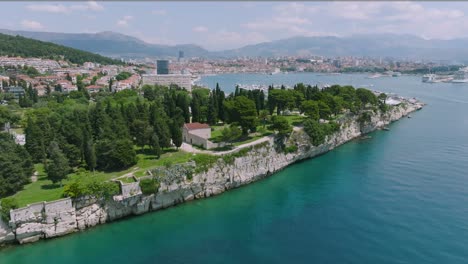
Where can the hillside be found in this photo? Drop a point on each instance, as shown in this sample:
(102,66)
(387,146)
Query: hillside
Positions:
(375,45)
(26,47)
(112,44)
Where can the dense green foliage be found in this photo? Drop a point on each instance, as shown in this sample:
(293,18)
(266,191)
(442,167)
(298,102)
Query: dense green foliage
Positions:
(280,124)
(26,47)
(16,166)
(318,131)
(57,166)
(7,204)
(149,186)
(94,188)
(123,76)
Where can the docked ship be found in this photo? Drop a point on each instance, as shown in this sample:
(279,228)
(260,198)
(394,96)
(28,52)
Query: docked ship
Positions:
(461,76)
(429,78)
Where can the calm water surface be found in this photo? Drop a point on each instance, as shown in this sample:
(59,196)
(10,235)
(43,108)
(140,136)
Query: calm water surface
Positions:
(400,197)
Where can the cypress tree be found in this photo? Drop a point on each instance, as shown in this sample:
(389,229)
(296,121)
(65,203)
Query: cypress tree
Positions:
(57,167)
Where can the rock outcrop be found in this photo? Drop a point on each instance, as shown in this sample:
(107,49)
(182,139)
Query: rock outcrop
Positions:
(180,184)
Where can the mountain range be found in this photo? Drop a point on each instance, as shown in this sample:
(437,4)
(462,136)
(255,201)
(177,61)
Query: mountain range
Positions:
(374,45)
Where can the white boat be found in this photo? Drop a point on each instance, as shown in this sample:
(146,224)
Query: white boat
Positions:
(461,76)
(276,71)
(396,74)
(429,78)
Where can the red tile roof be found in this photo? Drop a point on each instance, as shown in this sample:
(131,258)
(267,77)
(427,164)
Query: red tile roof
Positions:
(193,126)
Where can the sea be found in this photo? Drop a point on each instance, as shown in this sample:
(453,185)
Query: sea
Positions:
(400,196)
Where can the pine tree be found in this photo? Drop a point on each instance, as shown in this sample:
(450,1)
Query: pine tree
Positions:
(35,141)
(57,167)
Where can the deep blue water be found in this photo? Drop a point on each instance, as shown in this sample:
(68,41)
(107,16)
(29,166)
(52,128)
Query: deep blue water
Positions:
(399,197)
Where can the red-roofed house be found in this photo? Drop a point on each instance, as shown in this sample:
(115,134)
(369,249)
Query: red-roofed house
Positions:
(94,88)
(197,134)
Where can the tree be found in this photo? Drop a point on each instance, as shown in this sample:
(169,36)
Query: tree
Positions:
(366,97)
(324,110)
(57,166)
(263,116)
(177,135)
(154,144)
(311,109)
(16,166)
(230,134)
(281,124)
(115,154)
(90,155)
(242,110)
(35,141)
(383,98)
(315,132)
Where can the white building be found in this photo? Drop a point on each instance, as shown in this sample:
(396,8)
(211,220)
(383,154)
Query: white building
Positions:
(181,80)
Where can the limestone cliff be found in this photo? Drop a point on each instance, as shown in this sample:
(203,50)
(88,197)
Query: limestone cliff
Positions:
(181,184)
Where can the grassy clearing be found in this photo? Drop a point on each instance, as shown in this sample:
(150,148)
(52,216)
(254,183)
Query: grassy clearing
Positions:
(295,120)
(45,190)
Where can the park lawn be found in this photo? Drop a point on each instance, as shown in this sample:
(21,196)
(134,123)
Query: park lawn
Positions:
(45,190)
(42,190)
(295,120)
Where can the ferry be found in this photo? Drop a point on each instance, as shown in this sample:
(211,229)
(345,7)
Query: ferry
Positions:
(461,76)
(429,78)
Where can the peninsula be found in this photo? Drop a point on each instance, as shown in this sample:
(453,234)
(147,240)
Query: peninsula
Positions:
(250,135)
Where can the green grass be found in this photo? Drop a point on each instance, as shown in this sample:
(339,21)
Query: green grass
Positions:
(45,190)
(295,120)
(42,190)
(127,179)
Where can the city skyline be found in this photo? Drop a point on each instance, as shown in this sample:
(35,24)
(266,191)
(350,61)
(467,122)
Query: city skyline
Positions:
(226,25)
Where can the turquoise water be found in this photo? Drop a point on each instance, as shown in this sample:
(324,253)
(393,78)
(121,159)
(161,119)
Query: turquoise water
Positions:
(399,197)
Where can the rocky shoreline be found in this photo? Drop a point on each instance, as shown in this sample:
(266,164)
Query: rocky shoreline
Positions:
(183,183)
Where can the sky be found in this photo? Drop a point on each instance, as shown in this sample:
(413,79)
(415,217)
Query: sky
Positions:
(227,25)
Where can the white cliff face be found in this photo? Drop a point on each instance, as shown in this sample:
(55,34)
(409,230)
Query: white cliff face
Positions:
(60,218)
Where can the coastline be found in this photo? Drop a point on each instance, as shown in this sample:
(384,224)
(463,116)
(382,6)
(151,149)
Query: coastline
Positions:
(58,218)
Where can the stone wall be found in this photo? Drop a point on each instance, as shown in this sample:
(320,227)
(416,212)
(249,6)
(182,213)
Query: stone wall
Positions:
(45,220)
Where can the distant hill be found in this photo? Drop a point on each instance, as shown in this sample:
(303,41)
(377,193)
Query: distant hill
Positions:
(26,47)
(375,45)
(113,44)
(372,45)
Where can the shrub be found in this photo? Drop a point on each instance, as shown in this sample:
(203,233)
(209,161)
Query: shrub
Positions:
(204,162)
(94,188)
(290,149)
(149,186)
(7,205)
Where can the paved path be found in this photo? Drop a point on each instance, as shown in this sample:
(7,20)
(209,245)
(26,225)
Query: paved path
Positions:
(189,148)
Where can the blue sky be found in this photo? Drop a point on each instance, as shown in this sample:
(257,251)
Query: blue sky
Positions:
(226,25)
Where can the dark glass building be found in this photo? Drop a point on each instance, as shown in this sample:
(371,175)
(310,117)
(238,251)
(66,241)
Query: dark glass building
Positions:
(162,66)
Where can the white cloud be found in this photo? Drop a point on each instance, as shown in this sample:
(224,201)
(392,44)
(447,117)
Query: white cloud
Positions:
(30,24)
(124,21)
(200,29)
(160,12)
(50,8)
(60,8)
(89,6)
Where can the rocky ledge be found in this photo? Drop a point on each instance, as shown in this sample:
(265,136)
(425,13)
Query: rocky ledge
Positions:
(185,183)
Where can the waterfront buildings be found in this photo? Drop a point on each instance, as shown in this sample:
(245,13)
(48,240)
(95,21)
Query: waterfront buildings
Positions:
(181,80)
